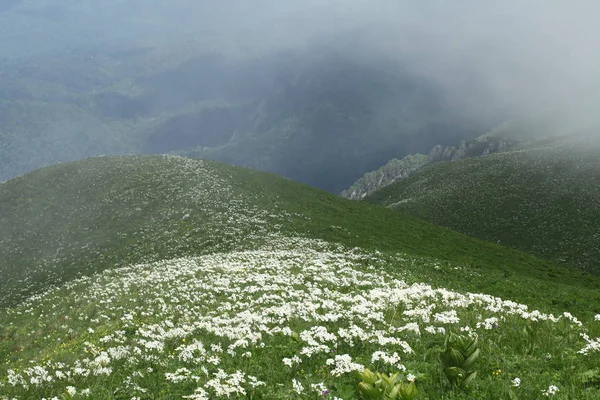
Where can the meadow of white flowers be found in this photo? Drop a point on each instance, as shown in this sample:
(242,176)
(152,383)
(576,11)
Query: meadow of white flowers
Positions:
(226,300)
(296,319)
(161,206)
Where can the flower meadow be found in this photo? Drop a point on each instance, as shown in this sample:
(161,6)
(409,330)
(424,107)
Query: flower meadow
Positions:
(170,278)
(116,211)
(295,319)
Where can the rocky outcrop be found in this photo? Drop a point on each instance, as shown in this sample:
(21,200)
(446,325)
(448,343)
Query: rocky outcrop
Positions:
(475,148)
(394,169)
(397,169)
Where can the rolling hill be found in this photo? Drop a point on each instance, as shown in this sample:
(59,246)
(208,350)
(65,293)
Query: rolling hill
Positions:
(542,197)
(165,277)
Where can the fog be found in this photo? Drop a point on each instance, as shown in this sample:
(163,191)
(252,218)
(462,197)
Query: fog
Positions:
(83,78)
(531,56)
(536,58)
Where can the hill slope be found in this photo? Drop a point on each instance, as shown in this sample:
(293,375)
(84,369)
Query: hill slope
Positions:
(78,218)
(542,197)
(203,280)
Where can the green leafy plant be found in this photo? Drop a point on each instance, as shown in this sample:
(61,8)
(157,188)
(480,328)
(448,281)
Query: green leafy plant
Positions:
(378,386)
(530,335)
(458,358)
(590,377)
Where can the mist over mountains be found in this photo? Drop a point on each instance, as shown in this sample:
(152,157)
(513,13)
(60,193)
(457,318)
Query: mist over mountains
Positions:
(318,91)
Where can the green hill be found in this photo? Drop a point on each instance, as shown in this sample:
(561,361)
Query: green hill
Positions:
(542,197)
(163,277)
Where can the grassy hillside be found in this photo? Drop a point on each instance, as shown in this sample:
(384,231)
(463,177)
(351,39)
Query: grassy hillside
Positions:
(78,218)
(163,277)
(543,198)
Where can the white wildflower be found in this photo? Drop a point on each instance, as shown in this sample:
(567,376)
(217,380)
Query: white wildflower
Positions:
(552,390)
(343,365)
(297,386)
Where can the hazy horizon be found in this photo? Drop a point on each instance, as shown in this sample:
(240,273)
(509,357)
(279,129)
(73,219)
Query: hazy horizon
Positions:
(81,66)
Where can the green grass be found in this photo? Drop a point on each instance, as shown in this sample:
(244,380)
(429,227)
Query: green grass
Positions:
(75,219)
(288,313)
(113,267)
(543,198)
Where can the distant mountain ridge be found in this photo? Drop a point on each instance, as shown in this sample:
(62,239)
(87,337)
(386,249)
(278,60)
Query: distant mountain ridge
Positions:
(397,169)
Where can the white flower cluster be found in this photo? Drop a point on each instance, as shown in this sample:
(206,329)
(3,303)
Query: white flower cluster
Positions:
(297,386)
(551,391)
(343,364)
(290,362)
(393,359)
(488,323)
(204,321)
(592,346)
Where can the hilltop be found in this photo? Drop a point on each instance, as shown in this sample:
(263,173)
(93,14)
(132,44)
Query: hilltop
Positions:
(166,277)
(79,218)
(542,197)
